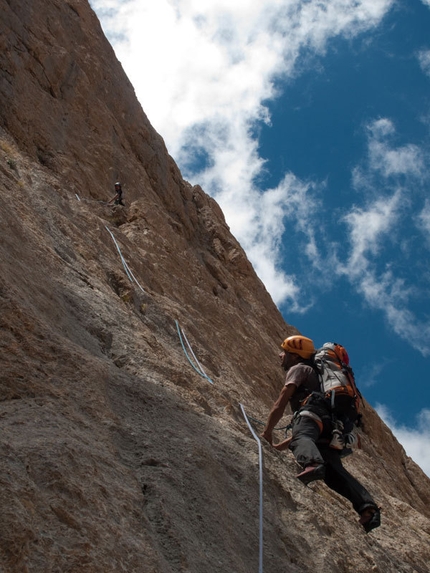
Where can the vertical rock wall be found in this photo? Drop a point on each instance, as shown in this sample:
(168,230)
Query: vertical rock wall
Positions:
(117,455)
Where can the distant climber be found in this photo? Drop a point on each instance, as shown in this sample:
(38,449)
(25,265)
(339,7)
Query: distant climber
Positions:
(117,199)
(312,430)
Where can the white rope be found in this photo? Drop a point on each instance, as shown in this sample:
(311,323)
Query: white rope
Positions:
(260,459)
(124,263)
(135,279)
(199,370)
(192,352)
(77,197)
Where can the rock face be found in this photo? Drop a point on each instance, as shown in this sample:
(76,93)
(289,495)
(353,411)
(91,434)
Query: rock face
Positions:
(116,454)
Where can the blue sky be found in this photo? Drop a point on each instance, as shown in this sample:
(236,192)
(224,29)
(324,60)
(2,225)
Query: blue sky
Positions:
(309,122)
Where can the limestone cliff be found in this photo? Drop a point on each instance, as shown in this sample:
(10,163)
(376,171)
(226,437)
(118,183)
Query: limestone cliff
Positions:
(116,455)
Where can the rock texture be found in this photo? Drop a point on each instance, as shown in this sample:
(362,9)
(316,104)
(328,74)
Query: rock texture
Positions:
(116,455)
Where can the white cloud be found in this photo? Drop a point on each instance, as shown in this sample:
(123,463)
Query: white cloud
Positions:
(424,59)
(373,372)
(390,161)
(423,221)
(391,296)
(394,175)
(426,2)
(367,226)
(415,439)
(291,202)
(202,70)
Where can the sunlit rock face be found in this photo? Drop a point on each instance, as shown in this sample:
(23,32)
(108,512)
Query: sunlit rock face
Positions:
(117,454)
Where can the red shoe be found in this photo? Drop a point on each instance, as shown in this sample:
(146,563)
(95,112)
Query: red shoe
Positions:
(311,473)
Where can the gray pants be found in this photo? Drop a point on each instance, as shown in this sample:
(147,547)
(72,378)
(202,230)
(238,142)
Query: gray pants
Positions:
(306,433)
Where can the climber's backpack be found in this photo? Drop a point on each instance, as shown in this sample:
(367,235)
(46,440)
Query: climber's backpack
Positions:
(338,382)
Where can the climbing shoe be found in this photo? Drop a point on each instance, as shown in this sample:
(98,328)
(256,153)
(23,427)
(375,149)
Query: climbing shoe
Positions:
(337,442)
(370,518)
(311,473)
(351,440)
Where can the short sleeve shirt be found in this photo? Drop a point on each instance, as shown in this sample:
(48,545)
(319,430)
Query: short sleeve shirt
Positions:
(304,377)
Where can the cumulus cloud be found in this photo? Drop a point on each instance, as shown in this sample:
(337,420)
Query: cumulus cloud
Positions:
(390,161)
(367,225)
(390,295)
(203,71)
(391,181)
(424,221)
(414,439)
(424,59)
(291,203)
(372,373)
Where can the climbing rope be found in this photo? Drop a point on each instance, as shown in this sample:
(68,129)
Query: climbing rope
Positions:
(198,368)
(124,263)
(191,350)
(260,463)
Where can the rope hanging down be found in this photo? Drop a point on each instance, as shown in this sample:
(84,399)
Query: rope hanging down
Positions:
(124,263)
(260,463)
(198,368)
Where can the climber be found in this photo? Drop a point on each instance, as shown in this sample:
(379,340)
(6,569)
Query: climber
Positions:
(312,430)
(117,199)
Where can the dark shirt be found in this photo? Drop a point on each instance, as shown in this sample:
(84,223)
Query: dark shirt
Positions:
(304,377)
(118,200)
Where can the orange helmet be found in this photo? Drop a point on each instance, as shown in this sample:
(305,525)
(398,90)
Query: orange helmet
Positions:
(300,345)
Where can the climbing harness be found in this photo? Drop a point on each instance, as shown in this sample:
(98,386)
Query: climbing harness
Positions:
(260,464)
(198,368)
(313,416)
(125,265)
